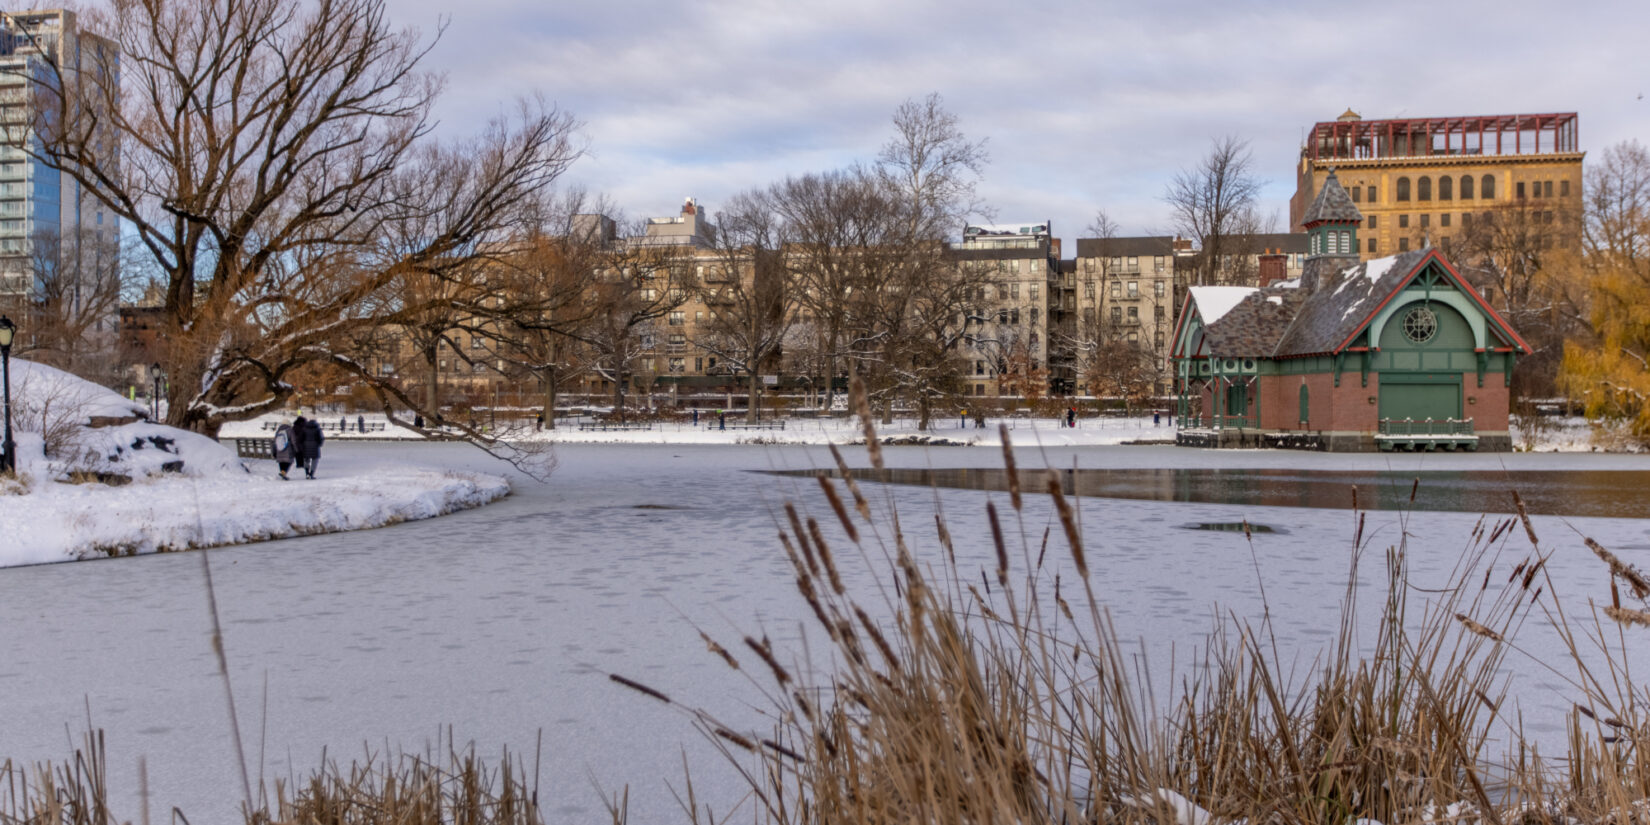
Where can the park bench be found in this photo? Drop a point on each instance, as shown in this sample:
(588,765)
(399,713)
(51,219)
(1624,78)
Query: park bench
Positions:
(760,425)
(255,447)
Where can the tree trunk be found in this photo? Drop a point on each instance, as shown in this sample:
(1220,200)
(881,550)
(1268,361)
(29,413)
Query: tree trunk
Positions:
(432,388)
(752,411)
(548,376)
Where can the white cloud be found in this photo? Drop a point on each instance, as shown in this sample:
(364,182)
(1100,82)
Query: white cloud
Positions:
(1086,105)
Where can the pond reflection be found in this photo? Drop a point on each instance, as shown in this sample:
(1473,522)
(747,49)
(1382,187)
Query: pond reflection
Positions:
(1606,493)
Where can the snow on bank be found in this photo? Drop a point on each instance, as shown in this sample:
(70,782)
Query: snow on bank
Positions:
(139,487)
(942,432)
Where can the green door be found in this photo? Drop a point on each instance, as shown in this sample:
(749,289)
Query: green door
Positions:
(1437,399)
(1306,406)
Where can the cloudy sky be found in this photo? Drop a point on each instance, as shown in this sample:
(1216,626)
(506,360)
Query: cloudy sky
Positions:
(1086,105)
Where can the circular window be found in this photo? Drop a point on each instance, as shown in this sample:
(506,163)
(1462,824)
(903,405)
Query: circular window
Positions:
(1420,324)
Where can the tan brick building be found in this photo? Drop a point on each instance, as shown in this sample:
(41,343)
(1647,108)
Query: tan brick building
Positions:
(1423,180)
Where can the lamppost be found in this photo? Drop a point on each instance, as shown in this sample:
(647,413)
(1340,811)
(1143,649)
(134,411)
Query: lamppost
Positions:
(8,448)
(156,375)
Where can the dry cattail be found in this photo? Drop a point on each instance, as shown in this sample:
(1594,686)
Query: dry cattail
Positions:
(837,507)
(877,639)
(997,538)
(765,650)
(1069,521)
(1008,467)
(825,555)
(945,539)
(782,750)
(1621,570)
(861,506)
(862,408)
(719,650)
(1628,616)
(639,687)
(1529,575)
(1524,516)
(735,739)
(802,539)
(1477,628)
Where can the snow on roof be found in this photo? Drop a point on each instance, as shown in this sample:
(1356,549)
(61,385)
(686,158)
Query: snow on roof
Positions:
(1276,299)
(1378,267)
(1213,302)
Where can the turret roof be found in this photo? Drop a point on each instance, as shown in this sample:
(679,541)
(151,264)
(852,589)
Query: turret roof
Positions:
(1332,205)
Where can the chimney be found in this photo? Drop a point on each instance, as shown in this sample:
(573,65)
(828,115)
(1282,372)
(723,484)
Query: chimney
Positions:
(688,208)
(1272,268)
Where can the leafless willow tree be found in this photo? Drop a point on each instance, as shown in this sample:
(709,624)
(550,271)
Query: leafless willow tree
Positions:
(1213,201)
(277,168)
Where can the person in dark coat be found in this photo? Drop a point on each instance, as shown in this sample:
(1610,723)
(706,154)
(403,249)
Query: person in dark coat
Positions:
(283,448)
(307,436)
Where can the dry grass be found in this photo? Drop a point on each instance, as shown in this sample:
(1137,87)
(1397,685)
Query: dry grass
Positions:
(982,704)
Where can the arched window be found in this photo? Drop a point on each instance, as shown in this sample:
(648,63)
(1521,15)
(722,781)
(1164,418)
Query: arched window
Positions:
(1466,187)
(1487,189)
(1446,188)
(1423,189)
(1403,189)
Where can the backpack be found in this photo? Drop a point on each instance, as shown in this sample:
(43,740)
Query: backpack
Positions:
(282,443)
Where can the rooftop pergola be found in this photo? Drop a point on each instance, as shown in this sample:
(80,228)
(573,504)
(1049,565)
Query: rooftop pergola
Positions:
(1351,139)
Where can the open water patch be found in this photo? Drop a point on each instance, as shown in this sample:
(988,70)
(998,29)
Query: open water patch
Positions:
(1575,493)
(1245,527)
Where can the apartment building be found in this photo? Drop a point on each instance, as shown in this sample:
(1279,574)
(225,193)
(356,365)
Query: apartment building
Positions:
(1124,305)
(1422,181)
(1015,340)
(39,203)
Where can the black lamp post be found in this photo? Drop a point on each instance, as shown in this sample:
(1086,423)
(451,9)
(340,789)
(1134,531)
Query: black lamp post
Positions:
(154,397)
(8,448)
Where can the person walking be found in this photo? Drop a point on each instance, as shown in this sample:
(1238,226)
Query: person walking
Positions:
(1071,417)
(309,438)
(361,424)
(283,450)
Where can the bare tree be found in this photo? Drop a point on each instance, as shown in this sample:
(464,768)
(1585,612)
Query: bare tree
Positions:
(1209,202)
(276,167)
(1524,256)
(78,279)
(749,292)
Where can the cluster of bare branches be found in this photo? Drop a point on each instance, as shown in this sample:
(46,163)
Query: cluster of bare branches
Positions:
(278,171)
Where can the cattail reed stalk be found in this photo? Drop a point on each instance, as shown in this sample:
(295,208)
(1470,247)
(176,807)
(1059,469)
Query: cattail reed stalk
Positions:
(1074,537)
(639,687)
(997,540)
(764,649)
(862,408)
(1628,616)
(838,508)
(877,639)
(861,506)
(782,750)
(735,739)
(719,650)
(1009,467)
(825,558)
(1621,570)
(802,539)
(1477,628)
(1524,516)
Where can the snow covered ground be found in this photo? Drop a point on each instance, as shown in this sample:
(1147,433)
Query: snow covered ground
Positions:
(139,487)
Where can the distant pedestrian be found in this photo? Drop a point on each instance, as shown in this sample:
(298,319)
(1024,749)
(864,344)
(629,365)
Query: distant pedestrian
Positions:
(1157,418)
(360,423)
(418,421)
(722,419)
(282,449)
(307,437)
(962,421)
(1071,417)
(343,424)
(695,416)
(539,425)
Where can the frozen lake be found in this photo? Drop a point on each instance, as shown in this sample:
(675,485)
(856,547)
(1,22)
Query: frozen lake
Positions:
(505,621)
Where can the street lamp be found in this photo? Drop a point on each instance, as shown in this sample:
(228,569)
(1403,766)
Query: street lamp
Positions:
(8,448)
(154,394)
